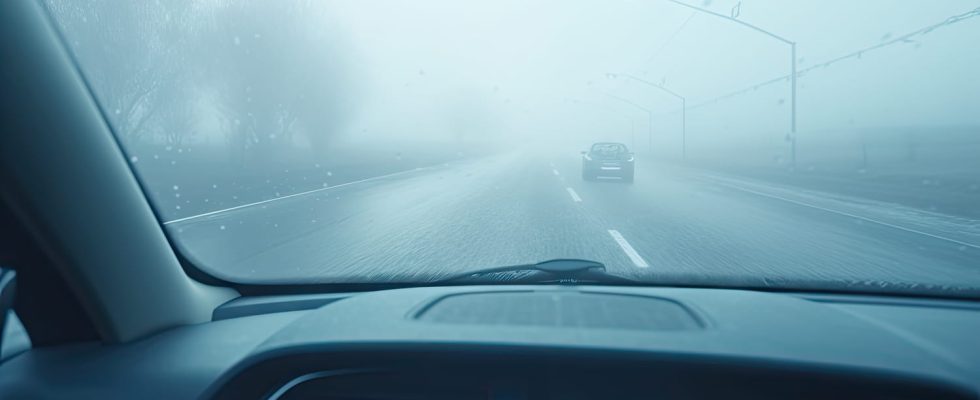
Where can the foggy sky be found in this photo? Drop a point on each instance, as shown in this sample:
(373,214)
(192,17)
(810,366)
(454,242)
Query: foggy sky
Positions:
(514,71)
(418,54)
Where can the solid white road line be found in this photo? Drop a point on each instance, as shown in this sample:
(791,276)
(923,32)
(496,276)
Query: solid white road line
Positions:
(575,198)
(629,250)
(297,194)
(554,171)
(846,214)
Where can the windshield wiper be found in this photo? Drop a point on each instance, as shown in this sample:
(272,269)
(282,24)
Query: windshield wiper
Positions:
(561,271)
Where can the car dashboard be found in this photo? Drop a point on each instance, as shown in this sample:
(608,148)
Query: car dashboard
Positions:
(536,342)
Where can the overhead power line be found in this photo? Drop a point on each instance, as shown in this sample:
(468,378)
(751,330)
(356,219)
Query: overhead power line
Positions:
(670,38)
(857,54)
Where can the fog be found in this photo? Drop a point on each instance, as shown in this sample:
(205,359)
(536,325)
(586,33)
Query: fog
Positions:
(256,88)
(514,72)
(541,72)
(406,140)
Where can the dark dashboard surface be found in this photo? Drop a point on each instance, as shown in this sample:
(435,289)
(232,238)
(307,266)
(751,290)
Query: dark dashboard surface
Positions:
(537,342)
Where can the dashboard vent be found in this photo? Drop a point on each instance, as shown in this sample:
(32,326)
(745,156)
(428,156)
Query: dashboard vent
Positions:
(571,309)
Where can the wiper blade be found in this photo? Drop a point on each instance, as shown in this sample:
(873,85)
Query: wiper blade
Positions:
(566,271)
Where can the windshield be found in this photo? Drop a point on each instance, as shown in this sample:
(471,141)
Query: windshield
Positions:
(811,144)
(608,148)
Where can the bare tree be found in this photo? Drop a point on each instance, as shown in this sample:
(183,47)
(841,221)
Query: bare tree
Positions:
(280,70)
(130,51)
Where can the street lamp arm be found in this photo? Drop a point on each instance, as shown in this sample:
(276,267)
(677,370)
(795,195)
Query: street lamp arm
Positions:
(648,83)
(605,108)
(735,20)
(647,110)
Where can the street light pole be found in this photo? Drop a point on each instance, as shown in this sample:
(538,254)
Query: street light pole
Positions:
(792,131)
(644,109)
(683,129)
(672,93)
(650,131)
(632,133)
(629,119)
(792,75)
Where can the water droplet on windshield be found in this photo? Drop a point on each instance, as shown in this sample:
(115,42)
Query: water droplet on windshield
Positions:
(222,227)
(133,159)
(238,41)
(329,173)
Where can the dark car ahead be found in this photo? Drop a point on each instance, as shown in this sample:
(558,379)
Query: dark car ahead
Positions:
(607,159)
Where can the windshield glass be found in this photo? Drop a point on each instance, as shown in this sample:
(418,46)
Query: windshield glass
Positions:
(814,145)
(608,148)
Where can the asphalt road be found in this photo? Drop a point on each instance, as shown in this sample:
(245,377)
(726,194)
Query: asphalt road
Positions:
(672,225)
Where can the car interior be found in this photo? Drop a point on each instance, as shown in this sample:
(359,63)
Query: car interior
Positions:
(97,301)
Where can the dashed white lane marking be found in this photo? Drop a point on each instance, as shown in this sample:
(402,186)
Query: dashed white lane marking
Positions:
(555,171)
(846,214)
(297,194)
(629,250)
(575,198)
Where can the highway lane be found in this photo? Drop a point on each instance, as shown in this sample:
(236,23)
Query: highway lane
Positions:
(671,225)
(694,229)
(430,223)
